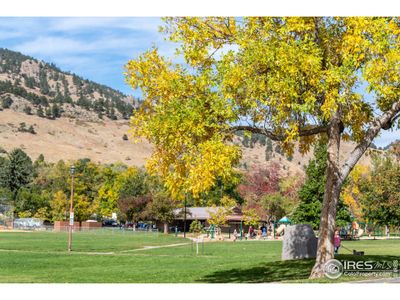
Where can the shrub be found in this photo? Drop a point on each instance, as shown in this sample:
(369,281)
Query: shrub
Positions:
(28,110)
(22,128)
(40,112)
(195,227)
(31,130)
(7,102)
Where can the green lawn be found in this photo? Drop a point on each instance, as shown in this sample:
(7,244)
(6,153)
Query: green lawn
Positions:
(113,256)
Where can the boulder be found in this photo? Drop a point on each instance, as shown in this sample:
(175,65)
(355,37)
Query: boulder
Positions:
(299,242)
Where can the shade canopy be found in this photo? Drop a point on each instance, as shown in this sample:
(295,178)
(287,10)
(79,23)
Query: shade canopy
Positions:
(284,220)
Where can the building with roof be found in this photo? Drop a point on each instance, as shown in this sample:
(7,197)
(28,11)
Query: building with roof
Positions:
(202,214)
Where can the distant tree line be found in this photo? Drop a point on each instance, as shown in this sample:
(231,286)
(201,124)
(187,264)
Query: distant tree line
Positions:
(41,189)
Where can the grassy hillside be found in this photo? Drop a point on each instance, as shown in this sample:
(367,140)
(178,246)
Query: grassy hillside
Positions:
(71,139)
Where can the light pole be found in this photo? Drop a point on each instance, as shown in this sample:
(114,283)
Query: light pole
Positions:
(71,210)
(184,220)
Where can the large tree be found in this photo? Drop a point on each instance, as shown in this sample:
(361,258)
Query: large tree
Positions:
(269,195)
(291,79)
(161,208)
(311,193)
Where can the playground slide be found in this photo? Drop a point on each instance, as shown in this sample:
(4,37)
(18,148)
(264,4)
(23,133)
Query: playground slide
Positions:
(360,232)
(280,229)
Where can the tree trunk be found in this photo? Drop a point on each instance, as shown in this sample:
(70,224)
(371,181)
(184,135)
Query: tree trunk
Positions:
(165,228)
(327,227)
(325,250)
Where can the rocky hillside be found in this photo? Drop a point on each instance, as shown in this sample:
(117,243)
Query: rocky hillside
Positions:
(38,88)
(261,151)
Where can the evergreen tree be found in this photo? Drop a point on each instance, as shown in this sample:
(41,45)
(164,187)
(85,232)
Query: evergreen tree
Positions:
(31,130)
(22,127)
(16,172)
(65,86)
(6,102)
(28,110)
(84,102)
(59,99)
(43,84)
(40,112)
(111,114)
(311,193)
(39,162)
(49,113)
(55,111)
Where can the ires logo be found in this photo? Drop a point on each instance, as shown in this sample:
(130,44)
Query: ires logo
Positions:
(334,268)
(349,265)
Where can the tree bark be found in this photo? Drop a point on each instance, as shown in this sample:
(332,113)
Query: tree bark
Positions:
(325,250)
(336,174)
(165,228)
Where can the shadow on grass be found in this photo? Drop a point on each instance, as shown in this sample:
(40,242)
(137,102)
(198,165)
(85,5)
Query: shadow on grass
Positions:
(278,271)
(266,272)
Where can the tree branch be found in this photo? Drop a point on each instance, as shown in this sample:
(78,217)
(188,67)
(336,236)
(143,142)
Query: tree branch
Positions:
(280,137)
(379,123)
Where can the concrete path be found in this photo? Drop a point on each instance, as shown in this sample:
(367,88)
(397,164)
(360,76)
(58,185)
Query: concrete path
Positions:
(154,247)
(381,280)
(95,253)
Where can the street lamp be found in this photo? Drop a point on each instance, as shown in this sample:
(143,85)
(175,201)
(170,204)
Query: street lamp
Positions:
(184,220)
(71,209)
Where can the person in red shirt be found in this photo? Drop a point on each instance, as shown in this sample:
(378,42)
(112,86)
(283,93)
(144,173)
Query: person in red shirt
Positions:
(336,242)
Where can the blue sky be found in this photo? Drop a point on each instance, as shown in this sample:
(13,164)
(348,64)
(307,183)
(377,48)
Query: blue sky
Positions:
(96,48)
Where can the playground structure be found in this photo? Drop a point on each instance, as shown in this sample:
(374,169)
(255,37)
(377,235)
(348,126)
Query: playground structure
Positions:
(352,231)
(280,230)
(268,230)
(361,230)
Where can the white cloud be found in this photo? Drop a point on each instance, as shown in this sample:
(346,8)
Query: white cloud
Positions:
(52,45)
(149,25)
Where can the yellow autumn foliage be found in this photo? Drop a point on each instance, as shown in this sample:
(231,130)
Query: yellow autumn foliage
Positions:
(281,75)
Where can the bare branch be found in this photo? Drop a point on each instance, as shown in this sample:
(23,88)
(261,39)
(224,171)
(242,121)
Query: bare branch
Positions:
(279,137)
(380,122)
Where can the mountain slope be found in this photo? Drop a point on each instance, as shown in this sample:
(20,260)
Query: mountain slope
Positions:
(71,139)
(36,87)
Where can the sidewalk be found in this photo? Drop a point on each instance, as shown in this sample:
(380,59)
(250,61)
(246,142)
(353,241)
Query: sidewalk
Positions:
(380,280)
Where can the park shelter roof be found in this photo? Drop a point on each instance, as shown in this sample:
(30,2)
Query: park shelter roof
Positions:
(203,213)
